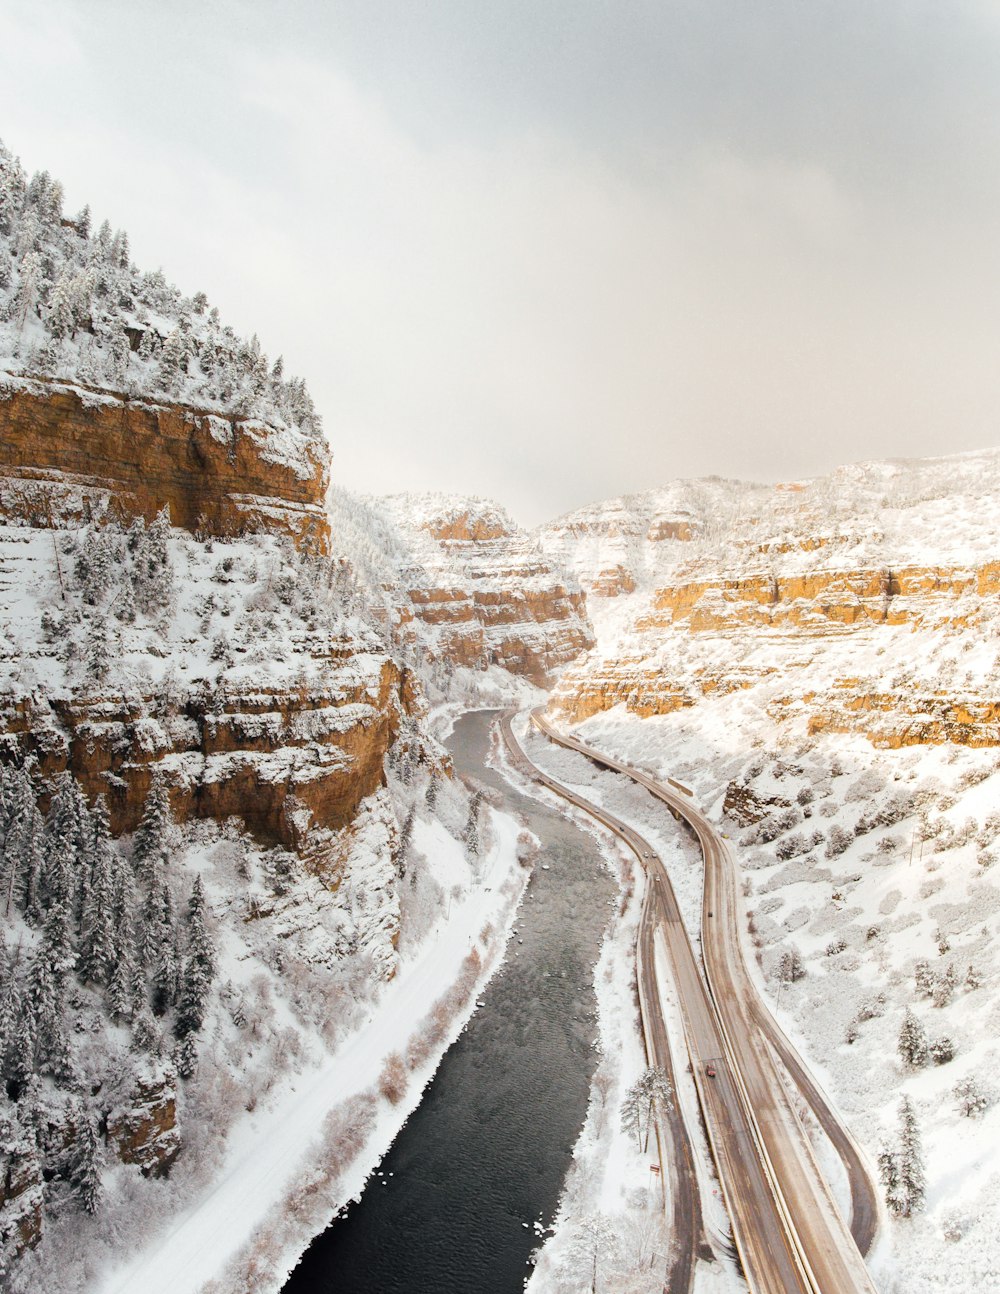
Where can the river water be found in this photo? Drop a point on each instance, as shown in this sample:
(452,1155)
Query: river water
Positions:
(488,1148)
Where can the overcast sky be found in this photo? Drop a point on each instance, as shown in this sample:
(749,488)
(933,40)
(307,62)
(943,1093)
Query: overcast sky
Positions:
(551,251)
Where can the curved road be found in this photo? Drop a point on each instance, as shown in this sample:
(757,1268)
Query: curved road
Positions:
(687,1234)
(786,1226)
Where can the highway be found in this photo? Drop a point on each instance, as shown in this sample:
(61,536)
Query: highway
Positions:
(786,1227)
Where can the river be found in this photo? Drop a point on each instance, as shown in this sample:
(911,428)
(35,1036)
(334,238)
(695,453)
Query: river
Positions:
(483,1158)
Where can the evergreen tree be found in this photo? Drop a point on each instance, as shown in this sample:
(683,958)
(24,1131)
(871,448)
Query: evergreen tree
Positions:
(28,288)
(912,1181)
(66,840)
(85,1177)
(888,1171)
(98,943)
(471,833)
(97,652)
(19,1061)
(165,968)
(61,311)
(22,829)
(52,1048)
(186,1056)
(120,995)
(151,846)
(912,1045)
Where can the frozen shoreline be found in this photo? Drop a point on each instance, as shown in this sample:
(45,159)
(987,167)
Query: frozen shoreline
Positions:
(277,1189)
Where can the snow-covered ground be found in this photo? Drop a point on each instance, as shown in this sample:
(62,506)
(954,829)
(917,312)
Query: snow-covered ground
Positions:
(278,1182)
(612,1202)
(868,863)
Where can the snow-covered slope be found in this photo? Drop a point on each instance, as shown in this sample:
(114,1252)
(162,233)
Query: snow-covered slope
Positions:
(478,607)
(820,663)
(225,827)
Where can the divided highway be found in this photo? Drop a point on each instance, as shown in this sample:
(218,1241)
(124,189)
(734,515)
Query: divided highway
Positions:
(789,1234)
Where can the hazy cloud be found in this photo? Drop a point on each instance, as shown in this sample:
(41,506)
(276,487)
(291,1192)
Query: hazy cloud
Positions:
(551,252)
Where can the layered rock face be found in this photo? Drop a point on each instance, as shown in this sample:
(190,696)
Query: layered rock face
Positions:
(70,452)
(477,591)
(841,604)
(271,712)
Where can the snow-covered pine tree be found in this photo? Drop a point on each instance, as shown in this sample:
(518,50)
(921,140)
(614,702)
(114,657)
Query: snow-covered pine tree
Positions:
(152,842)
(23,833)
(198,967)
(85,1176)
(912,1045)
(46,996)
(471,833)
(97,656)
(165,968)
(29,287)
(98,942)
(912,1181)
(888,1171)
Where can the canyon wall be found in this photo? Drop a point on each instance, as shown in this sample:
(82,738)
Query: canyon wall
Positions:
(475,591)
(67,451)
(837,605)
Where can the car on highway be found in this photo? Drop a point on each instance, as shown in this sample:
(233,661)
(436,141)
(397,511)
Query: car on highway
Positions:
(710,1070)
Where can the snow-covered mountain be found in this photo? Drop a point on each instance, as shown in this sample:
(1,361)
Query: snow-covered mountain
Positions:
(820,662)
(224,822)
(839,603)
(474,601)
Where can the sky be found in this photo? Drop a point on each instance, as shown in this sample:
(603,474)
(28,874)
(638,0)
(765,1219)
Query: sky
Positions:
(551,252)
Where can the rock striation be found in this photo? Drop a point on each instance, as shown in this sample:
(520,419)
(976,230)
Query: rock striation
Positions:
(71,452)
(836,605)
(476,591)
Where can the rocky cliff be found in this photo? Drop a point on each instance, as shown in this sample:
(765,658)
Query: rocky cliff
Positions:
(72,452)
(470,591)
(213,757)
(839,604)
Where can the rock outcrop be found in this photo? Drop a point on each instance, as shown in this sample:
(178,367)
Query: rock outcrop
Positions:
(838,605)
(71,452)
(144,1131)
(476,591)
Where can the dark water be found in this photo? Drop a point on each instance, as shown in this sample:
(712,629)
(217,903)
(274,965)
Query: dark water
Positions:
(489,1146)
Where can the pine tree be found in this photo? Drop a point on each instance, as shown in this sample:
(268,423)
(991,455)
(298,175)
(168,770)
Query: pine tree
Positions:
(888,1171)
(471,833)
(151,846)
(61,310)
(19,1062)
(120,996)
(912,1181)
(22,828)
(86,1175)
(912,1045)
(98,952)
(45,997)
(66,840)
(28,288)
(97,652)
(165,969)
(186,1056)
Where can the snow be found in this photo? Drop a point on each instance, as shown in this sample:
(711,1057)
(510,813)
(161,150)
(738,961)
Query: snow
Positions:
(610,1179)
(271,1150)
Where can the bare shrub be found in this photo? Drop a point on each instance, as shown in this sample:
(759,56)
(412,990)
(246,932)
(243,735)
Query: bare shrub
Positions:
(392,1080)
